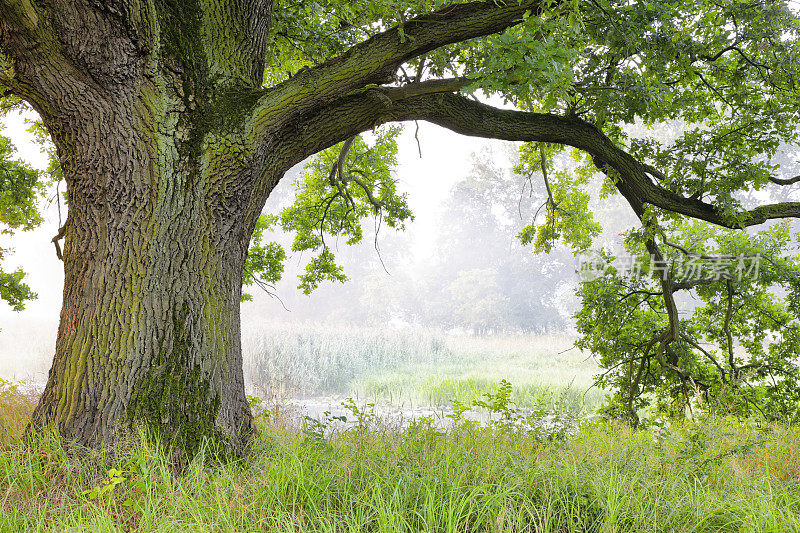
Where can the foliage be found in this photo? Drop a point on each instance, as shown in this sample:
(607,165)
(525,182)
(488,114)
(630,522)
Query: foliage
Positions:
(21,191)
(567,214)
(108,487)
(264,265)
(691,90)
(737,349)
(338,188)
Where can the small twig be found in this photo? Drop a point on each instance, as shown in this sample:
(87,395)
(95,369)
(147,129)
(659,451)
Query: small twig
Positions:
(60,235)
(378,221)
(376,204)
(266,287)
(420,69)
(416,136)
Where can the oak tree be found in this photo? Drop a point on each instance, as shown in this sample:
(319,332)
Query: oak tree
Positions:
(173,120)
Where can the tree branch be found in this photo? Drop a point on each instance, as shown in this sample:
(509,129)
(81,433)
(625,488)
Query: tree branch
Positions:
(784,181)
(355,113)
(472,118)
(727,329)
(60,235)
(376,60)
(446,85)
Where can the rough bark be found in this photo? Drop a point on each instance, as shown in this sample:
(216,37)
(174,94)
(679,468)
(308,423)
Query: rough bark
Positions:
(158,226)
(153,260)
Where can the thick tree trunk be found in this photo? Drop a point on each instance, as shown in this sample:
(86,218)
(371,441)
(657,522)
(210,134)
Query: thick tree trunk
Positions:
(155,243)
(146,105)
(170,146)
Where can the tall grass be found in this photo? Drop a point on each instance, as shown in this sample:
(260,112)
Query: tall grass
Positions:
(419,366)
(439,390)
(318,360)
(721,475)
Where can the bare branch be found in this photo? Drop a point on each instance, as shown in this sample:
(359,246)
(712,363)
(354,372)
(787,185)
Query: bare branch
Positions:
(784,181)
(377,205)
(266,287)
(60,235)
(653,171)
(447,85)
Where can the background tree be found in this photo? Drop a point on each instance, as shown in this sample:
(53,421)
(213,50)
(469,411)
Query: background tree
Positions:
(173,122)
(481,277)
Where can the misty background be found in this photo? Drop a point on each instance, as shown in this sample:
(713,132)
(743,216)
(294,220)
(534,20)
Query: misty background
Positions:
(452,305)
(444,310)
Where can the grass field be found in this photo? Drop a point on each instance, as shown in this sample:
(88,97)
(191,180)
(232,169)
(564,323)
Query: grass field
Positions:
(713,474)
(718,475)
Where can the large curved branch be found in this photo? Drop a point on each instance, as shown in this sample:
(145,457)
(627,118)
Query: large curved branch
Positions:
(377,59)
(359,112)
(785,181)
(476,119)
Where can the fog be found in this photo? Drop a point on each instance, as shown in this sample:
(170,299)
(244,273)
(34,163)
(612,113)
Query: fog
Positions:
(443,310)
(381,286)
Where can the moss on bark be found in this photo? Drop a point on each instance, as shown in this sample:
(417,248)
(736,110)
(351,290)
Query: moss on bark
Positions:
(175,400)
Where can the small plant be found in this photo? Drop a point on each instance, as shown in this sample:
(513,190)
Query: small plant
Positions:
(15,408)
(106,490)
(660,430)
(458,411)
(8,389)
(500,403)
(363,416)
(255,405)
(315,429)
(544,425)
